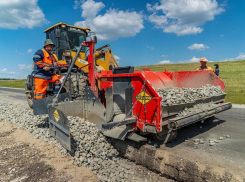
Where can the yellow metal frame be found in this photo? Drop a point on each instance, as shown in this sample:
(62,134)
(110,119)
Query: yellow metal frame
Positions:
(57,24)
(80,62)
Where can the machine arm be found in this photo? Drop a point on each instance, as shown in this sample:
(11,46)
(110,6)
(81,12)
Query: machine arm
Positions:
(68,72)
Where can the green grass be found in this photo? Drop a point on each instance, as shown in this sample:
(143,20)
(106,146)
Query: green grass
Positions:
(231,72)
(13,83)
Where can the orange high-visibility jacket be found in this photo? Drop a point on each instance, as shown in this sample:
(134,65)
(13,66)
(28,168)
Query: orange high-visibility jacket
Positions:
(205,69)
(41,59)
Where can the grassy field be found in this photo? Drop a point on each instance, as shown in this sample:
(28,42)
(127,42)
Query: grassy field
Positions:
(231,72)
(13,83)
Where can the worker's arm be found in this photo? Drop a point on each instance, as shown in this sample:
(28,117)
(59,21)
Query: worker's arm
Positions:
(38,60)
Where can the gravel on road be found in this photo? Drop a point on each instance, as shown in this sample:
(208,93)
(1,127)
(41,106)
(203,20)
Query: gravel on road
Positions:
(89,147)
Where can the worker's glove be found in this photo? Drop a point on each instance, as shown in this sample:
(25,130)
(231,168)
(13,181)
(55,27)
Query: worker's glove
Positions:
(46,68)
(216,66)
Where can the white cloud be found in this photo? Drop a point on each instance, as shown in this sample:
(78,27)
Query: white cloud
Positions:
(29,51)
(76,4)
(159,21)
(149,7)
(198,47)
(241,56)
(164,55)
(183,17)
(25,67)
(228,59)
(149,47)
(111,25)
(164,62)
(16,14)
(116,57)
(194,60)
(5,71)
(221,35)
(91,8)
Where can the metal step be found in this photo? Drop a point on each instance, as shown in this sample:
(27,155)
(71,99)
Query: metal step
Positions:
(111,125)
(117,132)
(135,137)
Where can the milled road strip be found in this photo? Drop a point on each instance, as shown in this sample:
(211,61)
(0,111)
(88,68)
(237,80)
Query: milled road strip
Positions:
(89,147)
(181,165)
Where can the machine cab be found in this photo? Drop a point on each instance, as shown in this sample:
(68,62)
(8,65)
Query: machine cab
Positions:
(67,39)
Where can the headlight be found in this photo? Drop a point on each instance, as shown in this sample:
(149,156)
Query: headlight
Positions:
(68,53)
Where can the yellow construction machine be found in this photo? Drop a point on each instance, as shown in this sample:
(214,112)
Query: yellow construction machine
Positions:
(68,38)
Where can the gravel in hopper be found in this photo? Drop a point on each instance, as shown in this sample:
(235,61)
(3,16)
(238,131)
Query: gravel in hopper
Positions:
(176,96)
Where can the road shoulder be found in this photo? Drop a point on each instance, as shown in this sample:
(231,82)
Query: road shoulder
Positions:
(30,152)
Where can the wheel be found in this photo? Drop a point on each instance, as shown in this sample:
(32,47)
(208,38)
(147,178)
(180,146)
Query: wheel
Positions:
(28,96)
(29,100)
(209,120)
(160,137)
(77,86)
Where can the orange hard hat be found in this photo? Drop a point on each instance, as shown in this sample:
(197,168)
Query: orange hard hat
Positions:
(203,60)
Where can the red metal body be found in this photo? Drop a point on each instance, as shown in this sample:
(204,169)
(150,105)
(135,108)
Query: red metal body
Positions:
(150,113)
(91,65)
(61,64)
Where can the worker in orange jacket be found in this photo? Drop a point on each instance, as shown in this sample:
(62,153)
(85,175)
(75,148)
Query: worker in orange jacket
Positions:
(44,70)
(203,66)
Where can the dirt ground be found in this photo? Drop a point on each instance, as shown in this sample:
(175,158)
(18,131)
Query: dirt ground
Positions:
(23,158)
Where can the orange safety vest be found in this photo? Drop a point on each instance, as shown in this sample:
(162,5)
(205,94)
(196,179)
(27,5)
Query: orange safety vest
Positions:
(205,69)
(48,59)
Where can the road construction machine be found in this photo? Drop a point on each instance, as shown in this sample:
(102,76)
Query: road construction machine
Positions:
(124,103)
(67,40)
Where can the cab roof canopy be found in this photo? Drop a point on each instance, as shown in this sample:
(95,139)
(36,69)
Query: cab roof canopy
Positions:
(64,24)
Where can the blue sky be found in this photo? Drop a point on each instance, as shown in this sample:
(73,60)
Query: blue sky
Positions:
(139,32)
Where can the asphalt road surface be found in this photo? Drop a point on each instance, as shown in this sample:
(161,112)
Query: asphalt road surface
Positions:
(228,130)
(16,96)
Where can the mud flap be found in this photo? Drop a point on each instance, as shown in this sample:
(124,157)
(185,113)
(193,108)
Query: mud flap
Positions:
(59,126)
(40,106)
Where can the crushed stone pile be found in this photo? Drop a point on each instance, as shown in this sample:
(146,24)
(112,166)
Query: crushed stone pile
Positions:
(94,151)
(89,147)
(176,96)
(195,109)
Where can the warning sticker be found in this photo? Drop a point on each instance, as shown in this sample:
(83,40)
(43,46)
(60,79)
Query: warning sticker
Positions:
(82,61)
(56,116)
(143,97)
